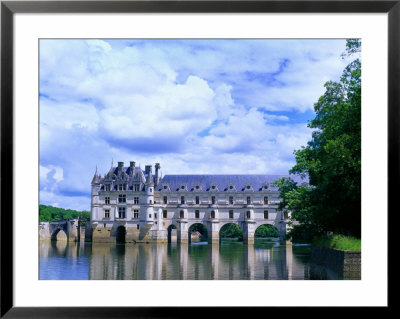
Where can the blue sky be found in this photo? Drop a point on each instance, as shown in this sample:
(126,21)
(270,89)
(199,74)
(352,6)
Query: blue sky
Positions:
(195,106)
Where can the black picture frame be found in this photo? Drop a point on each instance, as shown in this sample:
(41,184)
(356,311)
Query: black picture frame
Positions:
(9,8)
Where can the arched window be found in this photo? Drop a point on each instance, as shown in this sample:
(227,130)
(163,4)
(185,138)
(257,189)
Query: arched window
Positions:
(182,199)
(265,200)
(181,214)
(197,200)
(248,199)
(212,199)
(212,214)
(248,214)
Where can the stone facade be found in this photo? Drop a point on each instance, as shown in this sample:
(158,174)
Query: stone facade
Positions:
(129,204)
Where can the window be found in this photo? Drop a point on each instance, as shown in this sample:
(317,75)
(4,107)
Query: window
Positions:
(181,214)
(122,187)
(182,199)
(137,187)
(150,190)
(213,187)
(107,187)
(165,186)
(230,200)
(231,214)
(212,214)
(149,215)
(136,213)
(121,198)
(136,200)
(265,214)
(197,214)
(107,213)
(197,200)
(150,201)
(248,214)
(165,200)
(155,215)
(212,199)
(197,187)
(138,226)
(121,212)
(265,200)
(107,200)
(165,214)
(248,186)
(248,199)
(182,187)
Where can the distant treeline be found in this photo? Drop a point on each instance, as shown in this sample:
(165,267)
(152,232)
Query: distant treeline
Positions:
(50,213)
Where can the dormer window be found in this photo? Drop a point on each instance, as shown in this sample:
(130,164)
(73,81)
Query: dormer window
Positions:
(197,187)
(165,187)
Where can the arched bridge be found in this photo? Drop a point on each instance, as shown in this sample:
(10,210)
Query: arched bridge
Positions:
(65,229)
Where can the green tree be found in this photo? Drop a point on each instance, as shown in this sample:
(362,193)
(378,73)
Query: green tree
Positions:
(50,213)
(331,159)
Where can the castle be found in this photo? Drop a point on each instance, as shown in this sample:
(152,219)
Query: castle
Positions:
(129,204)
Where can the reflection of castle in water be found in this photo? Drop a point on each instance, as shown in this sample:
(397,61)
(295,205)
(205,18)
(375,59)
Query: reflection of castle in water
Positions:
(171,262)
(232,261)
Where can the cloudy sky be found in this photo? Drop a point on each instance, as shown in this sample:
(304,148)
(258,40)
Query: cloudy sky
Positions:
(195,106)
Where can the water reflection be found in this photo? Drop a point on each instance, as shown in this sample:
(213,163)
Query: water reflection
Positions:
(199,261)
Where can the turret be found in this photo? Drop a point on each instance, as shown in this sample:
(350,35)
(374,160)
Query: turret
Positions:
(148,199)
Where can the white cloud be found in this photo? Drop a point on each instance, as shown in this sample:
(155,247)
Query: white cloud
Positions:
(195,106)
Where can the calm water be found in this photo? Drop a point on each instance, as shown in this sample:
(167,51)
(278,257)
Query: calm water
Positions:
(229,260)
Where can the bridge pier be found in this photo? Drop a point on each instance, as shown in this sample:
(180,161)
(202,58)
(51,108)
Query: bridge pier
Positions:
(213,231)
(182,231)
(249,229)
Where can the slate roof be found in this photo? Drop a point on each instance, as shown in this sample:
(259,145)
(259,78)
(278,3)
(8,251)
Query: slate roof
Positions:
(223,182)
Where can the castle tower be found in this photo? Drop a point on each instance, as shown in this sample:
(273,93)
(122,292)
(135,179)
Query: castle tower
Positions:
(94,202)
(147,206)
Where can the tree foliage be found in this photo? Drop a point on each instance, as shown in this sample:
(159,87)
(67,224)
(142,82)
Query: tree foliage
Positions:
(50,213)
(266,231)
(331,159)
(231,231)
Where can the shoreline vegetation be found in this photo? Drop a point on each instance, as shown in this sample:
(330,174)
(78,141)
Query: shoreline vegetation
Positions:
(337,241)
(51,213)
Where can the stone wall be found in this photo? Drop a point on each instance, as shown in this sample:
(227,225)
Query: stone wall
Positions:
(346,263)
(44,231)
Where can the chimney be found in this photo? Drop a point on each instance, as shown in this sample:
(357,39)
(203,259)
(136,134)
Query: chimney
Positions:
(147,169)
(132,167)
(120,165)
(157,177)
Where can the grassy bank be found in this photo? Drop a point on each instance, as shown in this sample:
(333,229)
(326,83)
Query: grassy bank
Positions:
(338,242)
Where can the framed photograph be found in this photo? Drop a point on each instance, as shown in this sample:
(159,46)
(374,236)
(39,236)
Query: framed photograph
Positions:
(158,155)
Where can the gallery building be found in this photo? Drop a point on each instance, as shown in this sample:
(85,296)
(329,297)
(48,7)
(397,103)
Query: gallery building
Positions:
(129,204)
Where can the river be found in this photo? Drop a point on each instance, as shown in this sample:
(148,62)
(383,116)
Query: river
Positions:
(230,260)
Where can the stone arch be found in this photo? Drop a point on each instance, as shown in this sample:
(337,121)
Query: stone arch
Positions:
(267,230)
(200,228)
(59,234)
(281,227)
(120,234)
(171,230)
(227,231)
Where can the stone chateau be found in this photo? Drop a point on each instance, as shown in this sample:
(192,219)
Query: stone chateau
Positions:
(129,204)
